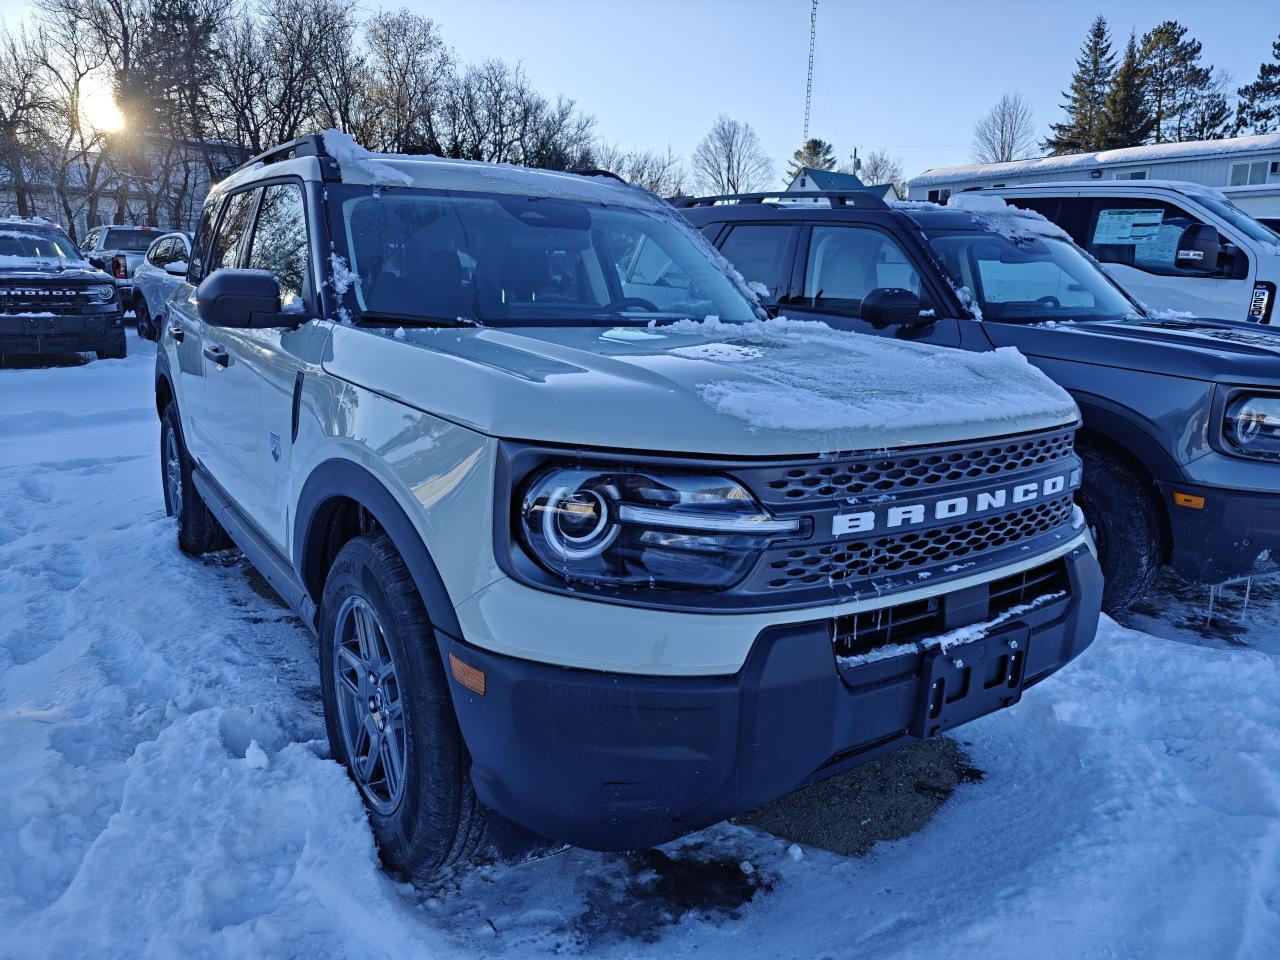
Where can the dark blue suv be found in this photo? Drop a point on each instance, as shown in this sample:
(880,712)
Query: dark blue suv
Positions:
(1181,437)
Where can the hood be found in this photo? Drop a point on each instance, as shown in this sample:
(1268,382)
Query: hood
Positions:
(1221,351)
(24,268)
(773,388)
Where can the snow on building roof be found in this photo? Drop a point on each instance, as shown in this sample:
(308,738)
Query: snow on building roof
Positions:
(1152,153)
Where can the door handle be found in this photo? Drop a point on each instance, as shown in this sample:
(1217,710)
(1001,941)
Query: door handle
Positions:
(218,354)
(177,333)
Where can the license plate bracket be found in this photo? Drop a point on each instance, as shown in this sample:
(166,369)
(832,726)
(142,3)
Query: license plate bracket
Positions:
(970,680)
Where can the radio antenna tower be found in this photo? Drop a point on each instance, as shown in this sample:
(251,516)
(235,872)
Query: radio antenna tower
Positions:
(808,87)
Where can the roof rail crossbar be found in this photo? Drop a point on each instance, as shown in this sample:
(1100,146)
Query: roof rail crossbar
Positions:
(859,199)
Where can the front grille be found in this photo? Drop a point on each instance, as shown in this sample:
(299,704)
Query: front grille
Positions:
(905,623)
(847,477)
(836,563)
(31,298)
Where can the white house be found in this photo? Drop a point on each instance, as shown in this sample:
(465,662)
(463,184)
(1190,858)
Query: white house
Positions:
(809,180)
(1246,169)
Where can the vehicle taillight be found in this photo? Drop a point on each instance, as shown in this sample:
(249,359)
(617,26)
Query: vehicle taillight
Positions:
(120,267)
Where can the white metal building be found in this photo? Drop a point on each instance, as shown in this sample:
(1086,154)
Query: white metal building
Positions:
(1247,169)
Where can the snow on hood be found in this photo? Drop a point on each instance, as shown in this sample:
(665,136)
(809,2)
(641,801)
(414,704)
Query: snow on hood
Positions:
(806,376)
(776,387)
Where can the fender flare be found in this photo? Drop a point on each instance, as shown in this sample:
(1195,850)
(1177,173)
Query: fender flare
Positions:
(347,479)
(1118,424)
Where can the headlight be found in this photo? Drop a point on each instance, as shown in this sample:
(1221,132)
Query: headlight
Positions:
(102,292)
(645,528)
(1252,426)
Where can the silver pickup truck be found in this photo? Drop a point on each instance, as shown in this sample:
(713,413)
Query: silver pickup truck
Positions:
(118,250)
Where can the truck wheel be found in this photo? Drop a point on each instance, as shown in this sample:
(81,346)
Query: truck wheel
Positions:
(1125,519)
(198,532)
(142,316)
(388,714)
(117,352)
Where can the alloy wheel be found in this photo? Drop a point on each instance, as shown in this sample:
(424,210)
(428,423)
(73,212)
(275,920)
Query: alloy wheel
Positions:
(370,705)
(173,470)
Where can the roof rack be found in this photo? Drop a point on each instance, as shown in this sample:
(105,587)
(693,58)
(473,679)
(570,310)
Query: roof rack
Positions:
(593,172)
(310,145)
(859,199)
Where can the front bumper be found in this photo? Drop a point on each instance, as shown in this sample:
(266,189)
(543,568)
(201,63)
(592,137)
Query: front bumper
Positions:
(1223,537)
(612,761)
(26,335)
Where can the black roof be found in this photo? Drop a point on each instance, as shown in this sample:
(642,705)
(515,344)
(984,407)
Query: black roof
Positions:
(925,216)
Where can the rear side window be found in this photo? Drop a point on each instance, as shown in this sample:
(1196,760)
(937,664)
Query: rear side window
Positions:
(847,263)
(280,241)
(200,244)
(1138,233)
(759,253)
(231,229)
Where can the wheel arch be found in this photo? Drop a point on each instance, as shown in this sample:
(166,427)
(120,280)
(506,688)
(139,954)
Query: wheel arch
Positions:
(164,392)
(337,503)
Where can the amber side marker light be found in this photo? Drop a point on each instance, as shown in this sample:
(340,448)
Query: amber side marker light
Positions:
(467,675)
(1188,500)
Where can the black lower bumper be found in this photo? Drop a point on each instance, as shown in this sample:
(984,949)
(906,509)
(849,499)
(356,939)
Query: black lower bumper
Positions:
(1219,533)
(25,336)
(620,762)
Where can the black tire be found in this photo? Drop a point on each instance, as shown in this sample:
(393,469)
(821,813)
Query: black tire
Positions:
(117,352)
(1121,509)
(142,317)
(198,532)
(436,820)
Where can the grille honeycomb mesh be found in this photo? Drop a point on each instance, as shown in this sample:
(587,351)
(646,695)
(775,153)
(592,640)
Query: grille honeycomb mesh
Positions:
(837,562)
(853,478)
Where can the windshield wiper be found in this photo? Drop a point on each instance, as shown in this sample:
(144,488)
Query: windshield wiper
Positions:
(399,320)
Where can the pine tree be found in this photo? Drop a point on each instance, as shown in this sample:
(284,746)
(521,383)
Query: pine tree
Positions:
(1126,120)
(814,153)
(1259,109)
(1187,101)
(1084,129)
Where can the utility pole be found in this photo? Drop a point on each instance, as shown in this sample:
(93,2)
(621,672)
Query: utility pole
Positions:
(808,87)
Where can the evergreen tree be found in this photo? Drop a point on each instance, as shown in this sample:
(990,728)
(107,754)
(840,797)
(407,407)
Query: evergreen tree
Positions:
(1259,109)
(1187,101)
(1126,120)
(1084,127)
(814,153)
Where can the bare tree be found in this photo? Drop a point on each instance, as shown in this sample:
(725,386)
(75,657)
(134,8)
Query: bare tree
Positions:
(661,173)
(25,111)
(1007,132)
(730,159)
(878,167)
(409,70)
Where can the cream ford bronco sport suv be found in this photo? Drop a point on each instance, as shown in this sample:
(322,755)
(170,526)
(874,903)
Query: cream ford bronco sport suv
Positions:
(588,541)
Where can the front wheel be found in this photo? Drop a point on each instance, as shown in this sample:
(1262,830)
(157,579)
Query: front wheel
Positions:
(142,316)
(1127,527)
(388,714)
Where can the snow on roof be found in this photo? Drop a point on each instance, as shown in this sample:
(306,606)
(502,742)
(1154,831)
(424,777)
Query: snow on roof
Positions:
(990,213)
(1152,153)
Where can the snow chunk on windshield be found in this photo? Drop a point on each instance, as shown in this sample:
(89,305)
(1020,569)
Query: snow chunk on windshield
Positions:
(804,376)
(343,148)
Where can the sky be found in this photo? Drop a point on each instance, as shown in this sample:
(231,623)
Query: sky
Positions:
(911,78)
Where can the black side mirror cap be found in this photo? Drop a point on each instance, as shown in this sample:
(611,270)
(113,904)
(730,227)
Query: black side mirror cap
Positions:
(242,299)
(893,306)
(1199,248)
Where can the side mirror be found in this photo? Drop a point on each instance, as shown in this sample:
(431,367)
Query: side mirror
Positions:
(1199,248)
(176,268)
(241,299)
(893,306)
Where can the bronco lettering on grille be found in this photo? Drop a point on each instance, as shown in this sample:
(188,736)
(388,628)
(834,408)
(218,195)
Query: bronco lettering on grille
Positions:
(866,521)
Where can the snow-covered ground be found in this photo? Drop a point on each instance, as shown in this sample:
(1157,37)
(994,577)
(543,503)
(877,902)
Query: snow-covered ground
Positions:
(166,792)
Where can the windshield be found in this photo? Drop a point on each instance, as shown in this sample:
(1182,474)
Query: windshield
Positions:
(507,260)
(36,245)
(1028,279)
(1229,212)
(134,241)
